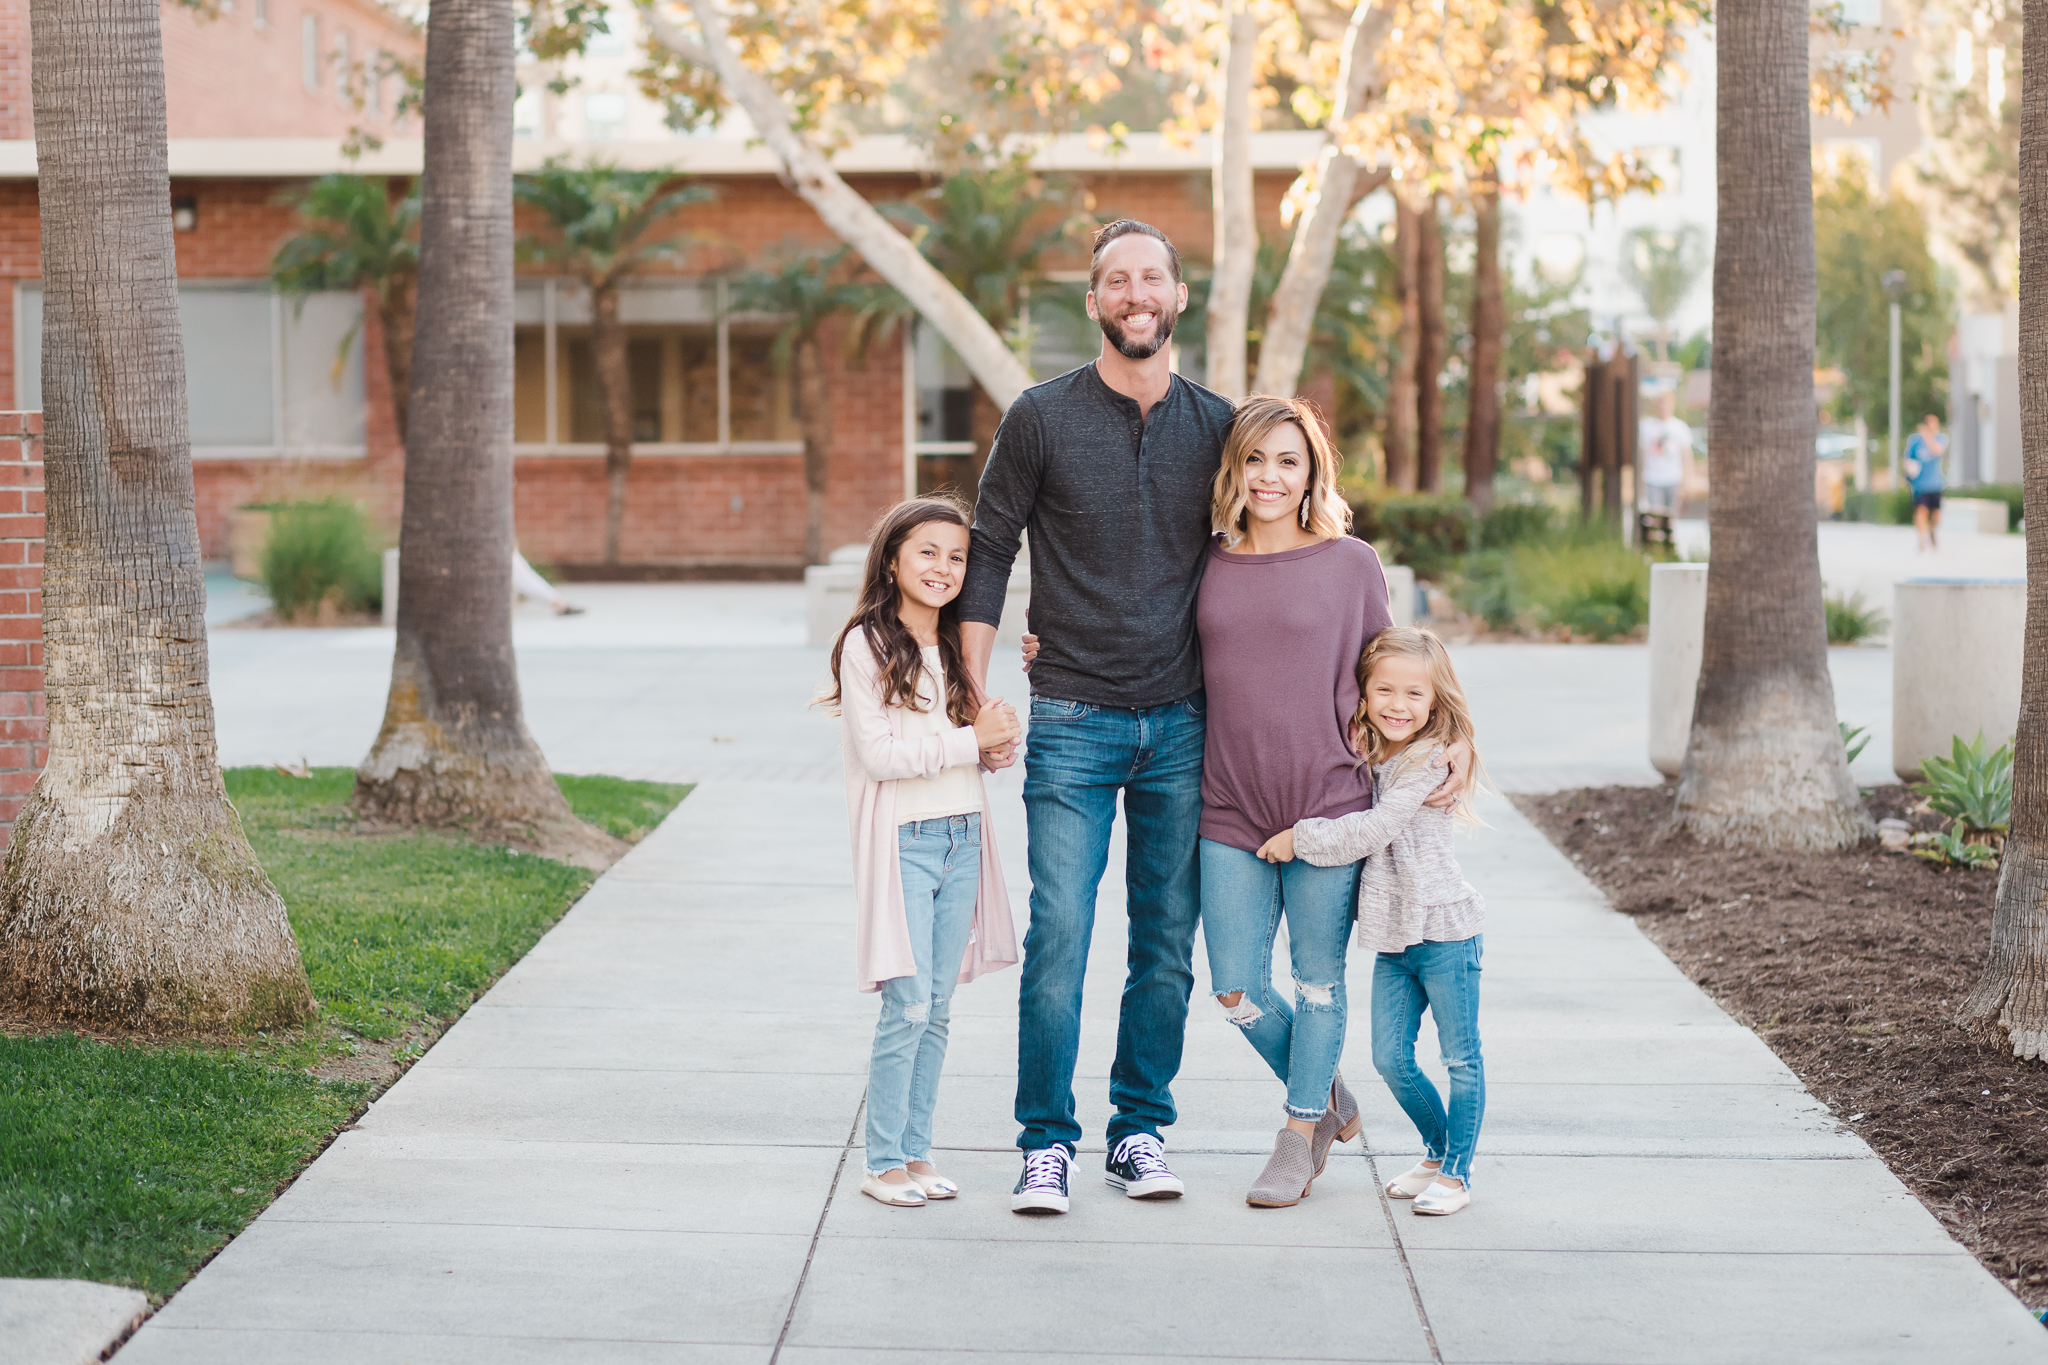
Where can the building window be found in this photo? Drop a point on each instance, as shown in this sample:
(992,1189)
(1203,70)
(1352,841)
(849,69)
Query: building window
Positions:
(341,72)
(261,378)
(1866,13)
(604,115)
(309,51)
(943,448)
(702,382)
(373,81)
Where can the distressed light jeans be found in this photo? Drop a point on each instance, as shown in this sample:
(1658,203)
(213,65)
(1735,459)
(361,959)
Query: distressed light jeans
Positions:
(1243,900)
(1077,758)
(1444,978)
(941,868)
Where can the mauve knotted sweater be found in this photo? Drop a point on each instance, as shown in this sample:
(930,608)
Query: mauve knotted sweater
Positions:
(1281,635)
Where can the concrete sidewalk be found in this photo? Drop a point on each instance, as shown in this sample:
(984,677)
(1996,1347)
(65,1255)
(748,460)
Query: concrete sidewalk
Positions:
(644,1145)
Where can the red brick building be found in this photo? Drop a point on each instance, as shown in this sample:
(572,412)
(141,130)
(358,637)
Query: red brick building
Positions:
(284,405)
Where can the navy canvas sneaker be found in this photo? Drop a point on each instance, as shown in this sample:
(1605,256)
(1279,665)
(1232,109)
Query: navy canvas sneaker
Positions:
(1138,1168)
(1043,1186)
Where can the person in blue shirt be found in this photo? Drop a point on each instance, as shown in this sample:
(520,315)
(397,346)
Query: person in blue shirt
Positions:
(1922,465)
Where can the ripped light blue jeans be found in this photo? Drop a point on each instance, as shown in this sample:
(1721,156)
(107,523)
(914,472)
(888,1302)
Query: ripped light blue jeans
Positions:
(941,868)
(1243,899)
(1443,978)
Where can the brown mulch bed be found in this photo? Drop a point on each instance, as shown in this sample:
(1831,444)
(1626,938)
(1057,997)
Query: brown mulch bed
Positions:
(1850,966)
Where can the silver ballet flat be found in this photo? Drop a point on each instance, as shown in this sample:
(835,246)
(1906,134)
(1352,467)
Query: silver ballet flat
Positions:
(935,1186)
(904,1196)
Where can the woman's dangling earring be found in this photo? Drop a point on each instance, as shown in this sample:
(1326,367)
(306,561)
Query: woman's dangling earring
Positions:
(1304,511)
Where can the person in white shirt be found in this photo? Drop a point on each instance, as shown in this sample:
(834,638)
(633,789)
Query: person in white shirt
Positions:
(1665,444)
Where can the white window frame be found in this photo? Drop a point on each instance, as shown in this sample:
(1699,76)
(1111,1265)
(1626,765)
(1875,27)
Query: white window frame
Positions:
(343,51)
(554,447)
(279,394)
(309,51)
(912,447)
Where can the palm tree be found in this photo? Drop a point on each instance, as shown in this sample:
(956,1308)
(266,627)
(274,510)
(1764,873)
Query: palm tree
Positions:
(454,751)
(2009,1007)
(602,223)
(1765,764)
(806,292)
(1662,266)
(362,240)
(129,896)
(1489,342)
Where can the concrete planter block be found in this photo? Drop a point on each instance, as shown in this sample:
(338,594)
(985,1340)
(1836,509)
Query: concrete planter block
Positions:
(1678,624)
(1973,516)
(832,590)
(1956,650)
(1400,593)
(248,533)
(390,603)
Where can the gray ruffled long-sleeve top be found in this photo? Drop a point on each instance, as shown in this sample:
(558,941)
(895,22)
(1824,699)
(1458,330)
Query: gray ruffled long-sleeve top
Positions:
(1409,888)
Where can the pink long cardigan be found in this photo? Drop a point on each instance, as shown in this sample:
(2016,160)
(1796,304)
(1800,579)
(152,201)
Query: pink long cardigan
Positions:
(877,757)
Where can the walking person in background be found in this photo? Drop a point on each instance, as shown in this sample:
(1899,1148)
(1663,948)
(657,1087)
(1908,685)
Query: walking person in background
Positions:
(1415,911)
(928,884)
(1109,467)
(1922,464)
(1666,447)
(1288,604)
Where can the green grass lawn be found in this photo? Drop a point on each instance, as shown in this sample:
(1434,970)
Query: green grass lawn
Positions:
(131,1165)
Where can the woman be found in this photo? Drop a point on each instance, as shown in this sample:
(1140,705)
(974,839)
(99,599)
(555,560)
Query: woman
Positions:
(1287,605)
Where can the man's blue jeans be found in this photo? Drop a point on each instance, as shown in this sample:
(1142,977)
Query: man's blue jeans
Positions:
(1243,899)
(1444,978)
(1077,757)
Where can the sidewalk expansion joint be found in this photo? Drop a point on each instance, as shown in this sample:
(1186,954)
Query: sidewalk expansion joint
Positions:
(845,1150)
(1407,1271)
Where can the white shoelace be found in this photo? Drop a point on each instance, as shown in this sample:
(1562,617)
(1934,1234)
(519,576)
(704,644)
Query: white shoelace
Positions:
(1044,1169)
(1143,1152)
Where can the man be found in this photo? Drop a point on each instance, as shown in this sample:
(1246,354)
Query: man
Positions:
(1922,466)
(1110,467)
(1666,448)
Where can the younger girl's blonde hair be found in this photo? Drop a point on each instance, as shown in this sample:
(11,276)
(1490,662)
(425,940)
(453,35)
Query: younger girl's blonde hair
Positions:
(1450,715)
(1323,510)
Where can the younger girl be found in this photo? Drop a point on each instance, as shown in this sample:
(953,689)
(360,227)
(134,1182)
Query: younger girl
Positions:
(932,911)
(1414,909)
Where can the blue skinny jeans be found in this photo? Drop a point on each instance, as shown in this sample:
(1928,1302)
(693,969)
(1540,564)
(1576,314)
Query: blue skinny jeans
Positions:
(1077,758)
(1243,901)
(941,869)
(1443,978)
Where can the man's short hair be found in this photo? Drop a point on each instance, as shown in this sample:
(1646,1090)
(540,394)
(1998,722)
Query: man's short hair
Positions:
(1125,227)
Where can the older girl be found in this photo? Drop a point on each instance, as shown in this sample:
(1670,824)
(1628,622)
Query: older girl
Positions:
(932,911)
(1287,603)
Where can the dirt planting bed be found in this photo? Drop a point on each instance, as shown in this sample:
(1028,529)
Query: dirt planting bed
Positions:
(1850,966)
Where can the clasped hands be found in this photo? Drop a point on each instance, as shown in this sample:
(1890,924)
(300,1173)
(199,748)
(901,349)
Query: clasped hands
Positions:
(996,730)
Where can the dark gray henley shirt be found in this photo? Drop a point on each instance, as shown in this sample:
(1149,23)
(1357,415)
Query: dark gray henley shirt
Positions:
(1118,511)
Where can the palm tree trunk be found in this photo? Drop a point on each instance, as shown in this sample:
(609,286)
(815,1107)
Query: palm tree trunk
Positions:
(1765,764)
(129,896)
(815,406)
(454,751)
(615,386)
(395,313)
(1432,348)
(1489,337)
(2009,1007)
(1339,183)
(1398,441)
(806,171)
(1237,233)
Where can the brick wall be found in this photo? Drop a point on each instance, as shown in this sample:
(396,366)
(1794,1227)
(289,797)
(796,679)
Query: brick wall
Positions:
(24,727)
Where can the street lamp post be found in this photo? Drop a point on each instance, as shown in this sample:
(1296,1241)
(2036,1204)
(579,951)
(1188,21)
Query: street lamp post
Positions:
(1894,282)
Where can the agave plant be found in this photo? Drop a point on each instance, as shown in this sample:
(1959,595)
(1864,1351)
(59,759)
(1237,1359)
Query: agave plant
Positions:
(1972,788)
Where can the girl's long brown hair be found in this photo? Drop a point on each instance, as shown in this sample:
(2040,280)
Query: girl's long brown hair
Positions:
(1450,715)
(901,661)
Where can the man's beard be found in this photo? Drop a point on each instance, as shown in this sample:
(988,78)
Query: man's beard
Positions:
(1139,350)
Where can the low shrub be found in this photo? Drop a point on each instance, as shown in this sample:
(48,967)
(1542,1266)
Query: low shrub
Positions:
(1585,582)
(1427,532)
(321,554)
(1971,787)
(1517,523)
(1893,507)
(1850,618)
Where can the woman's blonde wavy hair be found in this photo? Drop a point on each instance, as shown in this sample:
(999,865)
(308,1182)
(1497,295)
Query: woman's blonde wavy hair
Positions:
(1323,510)
(1450,716)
